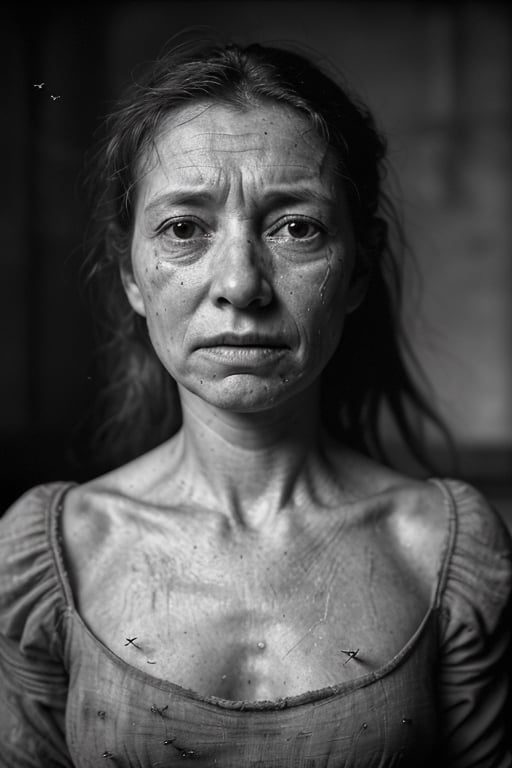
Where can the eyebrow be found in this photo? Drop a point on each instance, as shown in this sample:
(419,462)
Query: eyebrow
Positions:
(204,196)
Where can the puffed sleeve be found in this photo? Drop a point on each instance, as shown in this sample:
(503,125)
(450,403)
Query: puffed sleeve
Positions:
(475,635)
(33,682)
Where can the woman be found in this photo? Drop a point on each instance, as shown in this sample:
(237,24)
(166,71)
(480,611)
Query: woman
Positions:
(255,590)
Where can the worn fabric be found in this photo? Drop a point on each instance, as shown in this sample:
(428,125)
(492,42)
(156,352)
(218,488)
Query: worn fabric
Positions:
(67,700)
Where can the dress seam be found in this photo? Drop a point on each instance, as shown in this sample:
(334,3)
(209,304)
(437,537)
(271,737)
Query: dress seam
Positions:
(54,533)
(450,543)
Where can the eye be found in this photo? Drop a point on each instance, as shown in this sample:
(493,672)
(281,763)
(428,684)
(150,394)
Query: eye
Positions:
(297,229)
(182,229)
(301,228)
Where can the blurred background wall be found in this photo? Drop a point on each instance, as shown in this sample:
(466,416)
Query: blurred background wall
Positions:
(439,78)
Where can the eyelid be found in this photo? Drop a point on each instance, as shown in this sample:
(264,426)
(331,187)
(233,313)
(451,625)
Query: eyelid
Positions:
(167,224)
(282,222)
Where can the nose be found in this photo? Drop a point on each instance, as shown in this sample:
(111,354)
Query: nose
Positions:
(239,275)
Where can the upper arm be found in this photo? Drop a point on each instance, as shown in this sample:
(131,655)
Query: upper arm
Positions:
(474,635)
(32,711)
(33,681)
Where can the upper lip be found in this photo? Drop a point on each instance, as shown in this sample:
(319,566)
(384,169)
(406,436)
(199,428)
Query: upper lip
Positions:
(243,340)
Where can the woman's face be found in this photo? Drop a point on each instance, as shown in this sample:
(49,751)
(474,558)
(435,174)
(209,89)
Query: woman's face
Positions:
(242,253)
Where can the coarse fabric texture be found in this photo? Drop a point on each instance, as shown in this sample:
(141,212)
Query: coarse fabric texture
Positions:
(67,700)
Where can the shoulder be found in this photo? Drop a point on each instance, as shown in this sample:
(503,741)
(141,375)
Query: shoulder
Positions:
(107,509)
(451,536)
(26,525)
(90,525)
(31,597)
(478,523)
(478,568)
(443,533)
(409,517)
(417,524)
(102,520)
(31,506)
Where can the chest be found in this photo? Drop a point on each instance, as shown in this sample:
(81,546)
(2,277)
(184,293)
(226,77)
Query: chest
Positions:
(390,721)
(245,622)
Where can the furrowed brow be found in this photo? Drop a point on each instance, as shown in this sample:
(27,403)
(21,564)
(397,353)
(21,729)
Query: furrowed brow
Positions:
(292,195)
(179,197)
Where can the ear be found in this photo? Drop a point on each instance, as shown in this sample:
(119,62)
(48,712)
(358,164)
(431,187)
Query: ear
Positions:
(366,254)
(132,291)
(357,288)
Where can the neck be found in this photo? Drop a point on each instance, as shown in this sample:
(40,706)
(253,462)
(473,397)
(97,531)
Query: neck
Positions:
(251,465)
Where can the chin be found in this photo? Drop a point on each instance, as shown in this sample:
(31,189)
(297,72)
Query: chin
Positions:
(245,394)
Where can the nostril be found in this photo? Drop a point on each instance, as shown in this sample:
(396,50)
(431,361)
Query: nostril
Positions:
(244,290)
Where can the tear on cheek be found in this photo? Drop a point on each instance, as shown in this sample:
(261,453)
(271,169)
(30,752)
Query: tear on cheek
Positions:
(334,270)
(323,284)
(327,274)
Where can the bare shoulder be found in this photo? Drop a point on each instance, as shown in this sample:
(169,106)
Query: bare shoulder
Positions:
(86,527)
(419,527)
(412,515)
(100,516)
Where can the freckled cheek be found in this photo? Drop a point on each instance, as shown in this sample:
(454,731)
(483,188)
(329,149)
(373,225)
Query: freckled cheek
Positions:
(168,305)
(317,302)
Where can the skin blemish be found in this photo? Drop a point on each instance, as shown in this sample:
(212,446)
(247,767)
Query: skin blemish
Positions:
(131,641)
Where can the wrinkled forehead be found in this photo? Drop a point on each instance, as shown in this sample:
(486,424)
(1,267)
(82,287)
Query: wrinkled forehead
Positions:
(276,137)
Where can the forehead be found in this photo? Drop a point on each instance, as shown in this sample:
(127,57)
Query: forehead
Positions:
(269,142)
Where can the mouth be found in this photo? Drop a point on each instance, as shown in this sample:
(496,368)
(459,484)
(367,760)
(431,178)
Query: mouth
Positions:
(243,350)
(247,340)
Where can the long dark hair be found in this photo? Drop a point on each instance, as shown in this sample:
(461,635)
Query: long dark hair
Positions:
(373,367)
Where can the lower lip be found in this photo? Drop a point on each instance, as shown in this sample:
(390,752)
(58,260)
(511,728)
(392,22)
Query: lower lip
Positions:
(245,355)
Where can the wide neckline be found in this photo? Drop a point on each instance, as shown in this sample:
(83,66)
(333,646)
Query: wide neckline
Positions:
(55,509)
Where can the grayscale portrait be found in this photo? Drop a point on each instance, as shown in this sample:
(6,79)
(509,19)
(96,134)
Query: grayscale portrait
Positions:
(257,398)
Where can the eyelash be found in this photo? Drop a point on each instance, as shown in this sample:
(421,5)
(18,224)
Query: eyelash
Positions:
(302,219)
(163,230)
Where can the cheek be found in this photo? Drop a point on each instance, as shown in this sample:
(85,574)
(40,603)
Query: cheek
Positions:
(319,298)
(165,301)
